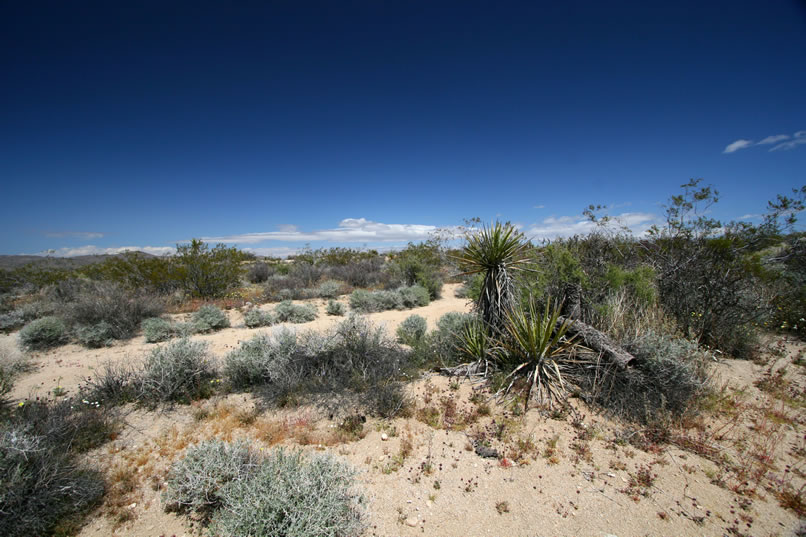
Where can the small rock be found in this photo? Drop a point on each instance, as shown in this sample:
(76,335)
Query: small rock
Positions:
(132,506)
(382,458)
(429,504)
(384,437)
(411,521)
(611,474)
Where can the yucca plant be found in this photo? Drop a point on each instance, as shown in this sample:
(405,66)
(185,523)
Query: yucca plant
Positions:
(534,343)
(474,343)
(497,252)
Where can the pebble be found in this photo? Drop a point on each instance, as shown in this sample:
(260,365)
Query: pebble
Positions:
(411,521)
(384,437)
(429,503)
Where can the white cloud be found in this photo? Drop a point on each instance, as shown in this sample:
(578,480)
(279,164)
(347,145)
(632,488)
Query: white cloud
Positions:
(798,139)
(86,235)
(539,206)
(568,226)
(738,144)
(97,250)
(348,230)
(773,139)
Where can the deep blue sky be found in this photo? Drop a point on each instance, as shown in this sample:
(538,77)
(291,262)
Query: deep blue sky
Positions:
(142,124)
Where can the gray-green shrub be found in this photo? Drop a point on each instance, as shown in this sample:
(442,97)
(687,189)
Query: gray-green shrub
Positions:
(255,318)
(414,296)
(260,360)
(157,329)
(335,308)
(43,333)
(412,330)
(329,289)
(100,334)
(292,495)
(177,372)
(209,318)
(365,301)
(195,482)
(288,312)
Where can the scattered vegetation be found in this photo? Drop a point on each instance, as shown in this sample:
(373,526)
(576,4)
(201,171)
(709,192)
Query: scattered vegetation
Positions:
(335,308)
(364,301)
(43,334)
(209,318)
(412,330)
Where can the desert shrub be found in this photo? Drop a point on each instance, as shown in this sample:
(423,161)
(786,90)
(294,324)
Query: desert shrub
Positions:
(11,320)
(91,303)
(195,482)
(138,271)
(471,288)
(669,376)
(177,372)
(258,273)
(255,318)
(288,312)
(209,318)
(361,273)
(291,494)
(114,383)
(40,485)
(414,296)
(308,273)
(419,264)
(364,301)
(412,330)
(12,363)
(43,333)
(440,347)
(205,272)
(335,308)
(261,360)
(329,289)
(283,287)
(101,334)
(157,329)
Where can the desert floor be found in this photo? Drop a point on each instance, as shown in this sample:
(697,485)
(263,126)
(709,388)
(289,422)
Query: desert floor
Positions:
(563,474)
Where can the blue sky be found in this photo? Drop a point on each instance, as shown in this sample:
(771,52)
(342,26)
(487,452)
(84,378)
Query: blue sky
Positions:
(270,125)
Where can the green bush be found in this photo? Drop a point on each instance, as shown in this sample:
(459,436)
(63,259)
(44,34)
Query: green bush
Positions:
(101,334)
(292,495)
(195,482)
(177,372)
(288,312)
(157,329)
(335,308)
(255,318)
(208,273)
(43,333)
(209,318)
(412,330)
(258,273)
(419,264)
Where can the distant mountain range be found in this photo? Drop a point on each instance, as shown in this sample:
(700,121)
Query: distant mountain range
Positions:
(14,261)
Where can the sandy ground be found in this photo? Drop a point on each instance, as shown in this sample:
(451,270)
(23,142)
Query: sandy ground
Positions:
(569,476)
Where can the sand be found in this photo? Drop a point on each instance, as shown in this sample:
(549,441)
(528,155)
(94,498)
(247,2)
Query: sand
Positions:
(443,488)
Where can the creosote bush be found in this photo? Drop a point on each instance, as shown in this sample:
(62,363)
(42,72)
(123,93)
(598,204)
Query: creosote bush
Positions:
(209,318)
(412,330)
(43,333)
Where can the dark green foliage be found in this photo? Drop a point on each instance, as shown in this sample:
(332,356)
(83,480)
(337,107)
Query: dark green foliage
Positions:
(209,318)
(44,333)
(139,271)
(205,272)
